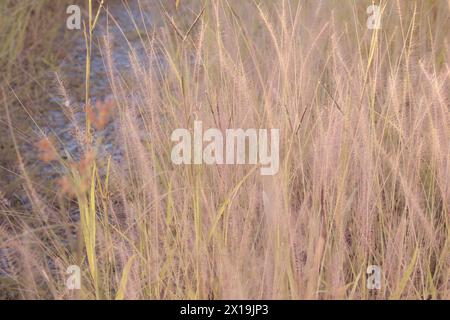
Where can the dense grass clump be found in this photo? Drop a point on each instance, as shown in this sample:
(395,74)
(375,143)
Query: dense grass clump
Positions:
(364,161)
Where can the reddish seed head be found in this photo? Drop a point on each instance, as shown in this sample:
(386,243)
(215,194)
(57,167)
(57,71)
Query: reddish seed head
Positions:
(66,186)
(86,162)
(47,151)
(102,114)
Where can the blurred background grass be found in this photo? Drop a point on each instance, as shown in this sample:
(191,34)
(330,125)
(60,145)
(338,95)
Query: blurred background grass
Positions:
(34,40)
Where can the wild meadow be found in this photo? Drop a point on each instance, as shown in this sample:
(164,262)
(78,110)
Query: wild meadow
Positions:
(364,151)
